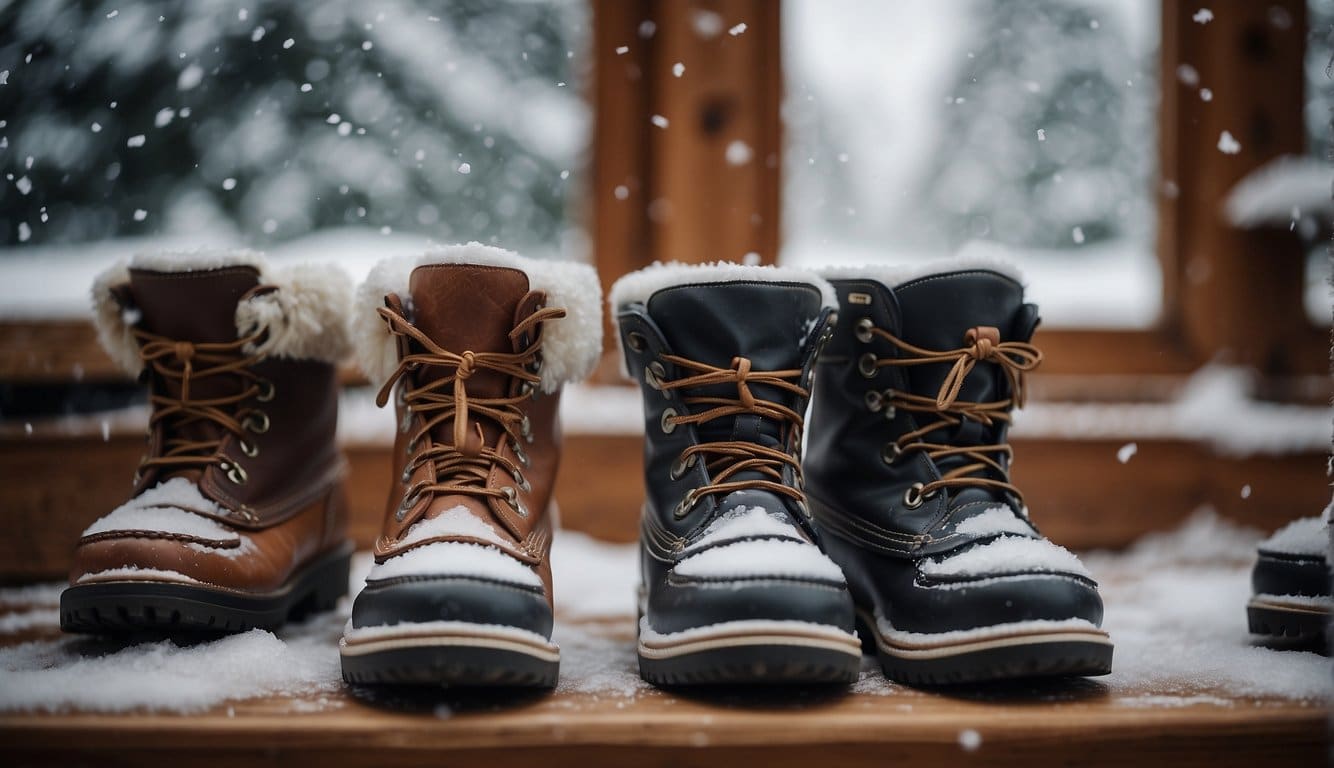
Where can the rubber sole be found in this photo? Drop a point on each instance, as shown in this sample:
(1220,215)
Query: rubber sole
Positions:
(1023,655)
(782,654)
(457,659)
(123,607)
(1293,621)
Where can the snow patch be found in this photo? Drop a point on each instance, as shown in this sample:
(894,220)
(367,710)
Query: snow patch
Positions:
(169,507)
(1007,555)
(760,559)
(994,520)
(455,521)
(742,523)
(1308,536)
(452,558)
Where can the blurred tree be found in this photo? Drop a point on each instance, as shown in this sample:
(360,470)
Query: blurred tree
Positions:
(454,119)
(1049,137)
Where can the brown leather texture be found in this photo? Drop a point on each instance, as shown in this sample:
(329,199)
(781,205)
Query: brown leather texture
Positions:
(473,309)
(284,494)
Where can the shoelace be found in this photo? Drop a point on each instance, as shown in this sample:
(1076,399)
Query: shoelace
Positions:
(731,457)
(983,344)
(188,362)
(465,465)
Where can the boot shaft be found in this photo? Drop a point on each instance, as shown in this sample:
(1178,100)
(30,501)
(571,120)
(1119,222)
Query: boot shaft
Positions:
(909,353)
(240,362)
(723,355)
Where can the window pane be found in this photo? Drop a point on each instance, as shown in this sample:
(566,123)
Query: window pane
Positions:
(986,127)
(264,121)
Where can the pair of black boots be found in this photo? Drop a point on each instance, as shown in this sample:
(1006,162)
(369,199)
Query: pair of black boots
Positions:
(897,529)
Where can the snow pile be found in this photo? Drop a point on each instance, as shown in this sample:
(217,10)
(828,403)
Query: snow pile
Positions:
(1007,555)
(994,520)
(759,559)
(455,521)
(1269,195)
(744,523)
(87,674)
(454,558)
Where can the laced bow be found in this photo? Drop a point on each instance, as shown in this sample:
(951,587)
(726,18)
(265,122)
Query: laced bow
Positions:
(731,457)
(983,344)
(465,464)
(187,363)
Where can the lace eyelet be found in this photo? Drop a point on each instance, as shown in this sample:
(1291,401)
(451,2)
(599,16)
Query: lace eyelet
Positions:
(234,472)
(517,450)
(512,498)
(874,401)
(913,497)
(256,422)
(681,466)
(653,376)
(686,504)
(666,423)
(522,482)
(890,453)
(410,499)
(248,448)
(266,391)
(526,428)
(866,365)
(863,330)
(635,341)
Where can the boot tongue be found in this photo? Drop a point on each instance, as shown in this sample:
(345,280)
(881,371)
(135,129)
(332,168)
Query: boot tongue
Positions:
(467,308)
(937,314)
(712,323)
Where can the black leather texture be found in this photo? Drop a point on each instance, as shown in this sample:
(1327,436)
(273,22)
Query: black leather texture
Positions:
(1280,574)
(451,598)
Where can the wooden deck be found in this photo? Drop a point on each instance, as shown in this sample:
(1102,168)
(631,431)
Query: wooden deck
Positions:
(587,723)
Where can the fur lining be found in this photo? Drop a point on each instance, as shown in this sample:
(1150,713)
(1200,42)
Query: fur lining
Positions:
(639,286)
(572,344)
(306,317)
(891,275)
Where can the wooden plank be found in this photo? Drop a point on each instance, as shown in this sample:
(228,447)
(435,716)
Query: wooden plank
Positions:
(1080,721)
(1080,494)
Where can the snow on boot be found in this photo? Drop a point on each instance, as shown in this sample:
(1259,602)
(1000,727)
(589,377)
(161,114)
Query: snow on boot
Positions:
(907,470)
(1291,581)
(237,518)
(473,344)
(735,589)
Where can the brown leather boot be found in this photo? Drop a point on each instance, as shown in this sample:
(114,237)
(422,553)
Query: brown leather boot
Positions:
(237,518)
(473,343)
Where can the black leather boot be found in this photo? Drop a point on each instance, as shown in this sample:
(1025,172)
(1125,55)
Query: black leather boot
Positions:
(1291,582)
(908,476)
(734,587)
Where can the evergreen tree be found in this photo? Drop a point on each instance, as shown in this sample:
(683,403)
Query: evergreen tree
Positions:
(457,119)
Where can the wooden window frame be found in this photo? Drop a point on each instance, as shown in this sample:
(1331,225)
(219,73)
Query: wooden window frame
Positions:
(705,209)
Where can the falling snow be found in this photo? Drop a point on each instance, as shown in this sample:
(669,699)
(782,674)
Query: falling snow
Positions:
(1125,452)
(1203,16)
(1227,144)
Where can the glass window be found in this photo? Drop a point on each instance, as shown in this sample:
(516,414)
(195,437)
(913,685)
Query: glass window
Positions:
(985,127)
(267,121)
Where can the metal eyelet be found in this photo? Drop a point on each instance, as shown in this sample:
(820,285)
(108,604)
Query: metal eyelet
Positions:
(866,365)
(913,497)
(526,428)
(681,466)
(256,422)
(653,376)
(522,481)
(519,454)
(683,508)
(528,389)
(890,453)
(266,391)
(874,401)
(635,341)
(234,472)
(404,478)
(249,448)
(803,508)
(863,330)
(512,498)
(668,426)
(410,499)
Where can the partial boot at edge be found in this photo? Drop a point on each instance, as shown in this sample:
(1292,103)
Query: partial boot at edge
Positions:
(1290,582)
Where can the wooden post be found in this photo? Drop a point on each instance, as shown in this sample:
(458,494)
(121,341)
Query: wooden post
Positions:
(1232,294)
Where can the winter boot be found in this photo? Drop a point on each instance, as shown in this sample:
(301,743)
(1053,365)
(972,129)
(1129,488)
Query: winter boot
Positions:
(734,587)
(907,470)
(473,344)
(237,518)
(1291,582)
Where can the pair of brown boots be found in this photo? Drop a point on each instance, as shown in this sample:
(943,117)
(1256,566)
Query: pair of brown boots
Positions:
(238,515)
